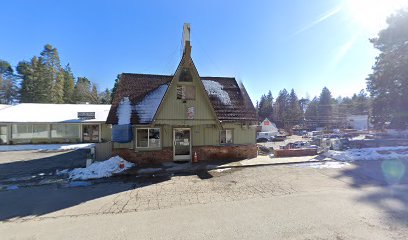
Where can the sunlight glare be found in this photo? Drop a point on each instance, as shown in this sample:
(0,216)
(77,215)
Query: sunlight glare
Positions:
(372,14)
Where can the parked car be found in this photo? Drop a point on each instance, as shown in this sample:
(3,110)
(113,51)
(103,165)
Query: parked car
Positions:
(278,138)
(261,139)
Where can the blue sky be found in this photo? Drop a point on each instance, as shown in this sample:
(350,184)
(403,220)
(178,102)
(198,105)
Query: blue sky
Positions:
(269,45)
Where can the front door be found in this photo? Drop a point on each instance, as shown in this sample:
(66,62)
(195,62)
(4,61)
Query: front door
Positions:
(3,134)
(182,144)
(90,133)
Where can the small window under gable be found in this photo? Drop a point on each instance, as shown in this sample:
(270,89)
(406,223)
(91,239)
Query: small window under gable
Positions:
(185,75)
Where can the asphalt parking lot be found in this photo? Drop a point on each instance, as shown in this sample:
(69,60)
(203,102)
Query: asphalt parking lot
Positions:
(16,164)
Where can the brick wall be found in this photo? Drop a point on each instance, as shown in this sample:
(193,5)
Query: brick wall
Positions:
(205,153)
(295,152)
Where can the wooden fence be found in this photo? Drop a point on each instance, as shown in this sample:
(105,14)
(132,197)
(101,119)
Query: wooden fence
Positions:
(103,151)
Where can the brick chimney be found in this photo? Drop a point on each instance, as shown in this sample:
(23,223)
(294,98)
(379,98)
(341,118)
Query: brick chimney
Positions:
(186,39)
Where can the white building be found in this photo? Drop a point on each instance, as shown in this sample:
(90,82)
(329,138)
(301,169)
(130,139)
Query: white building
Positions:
(54,123)
(268,126)
(358,122)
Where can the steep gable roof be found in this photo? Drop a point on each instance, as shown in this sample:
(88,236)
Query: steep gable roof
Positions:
(229,99)
(135,87)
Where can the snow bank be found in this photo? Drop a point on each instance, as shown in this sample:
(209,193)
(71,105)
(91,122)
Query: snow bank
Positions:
(124,111)
(321,165)
(381,153)
(147,108)
(216,89)
(46,147)
(100,169)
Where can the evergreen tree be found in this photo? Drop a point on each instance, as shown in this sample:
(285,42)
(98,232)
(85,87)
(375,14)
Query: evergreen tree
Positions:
(311,113)
(265,107)
(69,85)
(115,86)
(325,108)
(82,91)
(94,95)
(388,83)
(280,108)
(105,96)
(50,60)
(33,87)
(8,84)
(295,114)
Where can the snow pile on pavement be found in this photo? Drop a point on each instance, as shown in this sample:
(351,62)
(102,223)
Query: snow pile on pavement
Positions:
(321,165)
(46,147)
(124,111)
(380,153)
(216,89)
(100,169)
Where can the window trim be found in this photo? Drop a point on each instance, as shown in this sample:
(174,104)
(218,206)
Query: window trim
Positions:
(148,138)
(232,136)
(14,126)
(65,124)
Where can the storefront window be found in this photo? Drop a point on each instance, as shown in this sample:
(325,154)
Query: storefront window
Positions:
(65,130)
(29,131)
(148,137)
(226,136)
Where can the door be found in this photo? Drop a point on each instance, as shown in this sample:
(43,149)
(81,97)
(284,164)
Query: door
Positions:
(3,134)
(182,144)
(90,133)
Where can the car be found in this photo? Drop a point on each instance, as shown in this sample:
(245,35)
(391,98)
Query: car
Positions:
(261,139)
(278,138)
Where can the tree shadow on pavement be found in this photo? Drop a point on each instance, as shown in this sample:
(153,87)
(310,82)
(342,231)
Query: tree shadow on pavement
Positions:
(390,177)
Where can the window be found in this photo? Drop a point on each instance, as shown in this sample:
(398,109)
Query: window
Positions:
(148,137)
(65,130)
(226,136)
(28,131)
(185,76)
(185,92)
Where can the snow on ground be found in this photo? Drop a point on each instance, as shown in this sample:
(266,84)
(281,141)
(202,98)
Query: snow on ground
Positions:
(321,165)
(380,153)
(100,169)
(215,89)
(45,147)
(221,169)
(147,108)
(124,111)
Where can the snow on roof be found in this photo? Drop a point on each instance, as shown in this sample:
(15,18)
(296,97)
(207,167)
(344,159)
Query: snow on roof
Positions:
(147,108)
(216,89)
(124,111)
(2,106)
(45,113)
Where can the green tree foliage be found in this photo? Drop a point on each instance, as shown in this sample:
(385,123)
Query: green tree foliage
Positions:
(69,85)
(8,84)
(34,89)
(325,108)
(311,113)
(388,83)
(280,108)
(105,96)
(265,106)
(51,78)
(115,87)
(294,112)
(85,91)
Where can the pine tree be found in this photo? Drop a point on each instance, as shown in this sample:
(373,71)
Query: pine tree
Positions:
(295,114)
(58,89)
(311,113)
(105,96)
(69,85)
(33,87)
(94,95)
(388,84)
(51,71)
(8,85)
(325,108)
(82,91)
(280,108)
(115,86)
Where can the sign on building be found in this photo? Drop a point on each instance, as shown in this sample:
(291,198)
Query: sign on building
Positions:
(190,113)
(86,115)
